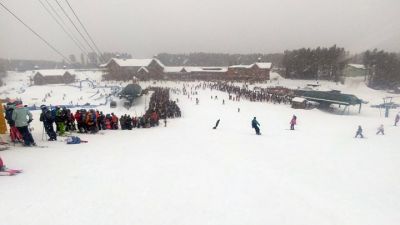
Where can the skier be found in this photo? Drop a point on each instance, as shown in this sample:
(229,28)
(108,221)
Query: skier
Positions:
(23,118)
(293,122)
(197,101)
(381,130)
(397,119)
(255,124)
(359,132)
(2,166)
(60,121)
(216,124)
(15,135)
(48,121)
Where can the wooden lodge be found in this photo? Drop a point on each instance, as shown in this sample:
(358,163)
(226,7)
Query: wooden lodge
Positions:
(43,77)
(153,69)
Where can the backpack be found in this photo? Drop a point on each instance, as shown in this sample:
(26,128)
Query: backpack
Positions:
(53,112)
(72,140)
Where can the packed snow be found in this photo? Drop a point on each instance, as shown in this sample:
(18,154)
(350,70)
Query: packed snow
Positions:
(188,173)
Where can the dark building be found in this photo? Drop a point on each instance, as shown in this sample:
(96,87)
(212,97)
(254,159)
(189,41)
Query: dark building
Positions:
(147,69)
(126,69)
(53,77)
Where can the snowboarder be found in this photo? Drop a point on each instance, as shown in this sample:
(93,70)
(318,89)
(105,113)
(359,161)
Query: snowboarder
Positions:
(48,121)
(255,124)
(23,118)
(381,130)
(293,122)
(216,124)
(397,119)
(359,132)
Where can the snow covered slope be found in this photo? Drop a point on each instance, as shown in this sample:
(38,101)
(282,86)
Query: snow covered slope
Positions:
(187,173)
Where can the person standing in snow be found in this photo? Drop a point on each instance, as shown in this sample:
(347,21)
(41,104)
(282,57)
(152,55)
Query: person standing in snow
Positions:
(48,121)
(23,118)
(293,122)
(255,125)
(397,119)
(359,132)
(381,130)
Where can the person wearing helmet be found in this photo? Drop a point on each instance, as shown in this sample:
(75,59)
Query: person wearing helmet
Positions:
(23,118)
(48,121)
(255,125)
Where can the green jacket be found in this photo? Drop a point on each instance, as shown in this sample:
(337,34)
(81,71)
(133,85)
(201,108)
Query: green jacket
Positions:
(21,116)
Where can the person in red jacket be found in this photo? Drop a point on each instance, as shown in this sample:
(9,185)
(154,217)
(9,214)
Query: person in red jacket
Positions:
(154,119)
(2,166)
(78,118)
(293,122)
(114,121)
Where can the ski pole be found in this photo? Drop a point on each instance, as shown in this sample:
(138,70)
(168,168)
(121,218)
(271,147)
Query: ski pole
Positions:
(43,133)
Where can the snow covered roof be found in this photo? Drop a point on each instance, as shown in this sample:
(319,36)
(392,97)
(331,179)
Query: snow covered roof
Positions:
(261,65)
(357,66)
(298,99)
(206,69)
(178,69)
(55,72)
(144,69)
(173,69)
(241,66)
(133,62)
(264,65)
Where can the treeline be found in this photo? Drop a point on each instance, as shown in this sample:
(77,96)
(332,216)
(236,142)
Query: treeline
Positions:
(217,59)
(383,69)
(91,60)
(23,65)
(317,63)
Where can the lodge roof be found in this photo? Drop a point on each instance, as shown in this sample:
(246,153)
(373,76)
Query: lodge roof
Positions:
(54,72)
(357,66)
(261,65)
(132,62)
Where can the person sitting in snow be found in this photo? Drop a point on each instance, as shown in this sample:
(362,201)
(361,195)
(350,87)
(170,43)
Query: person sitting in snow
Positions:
(255,124)
(381,130)
(359,132)
(293,122)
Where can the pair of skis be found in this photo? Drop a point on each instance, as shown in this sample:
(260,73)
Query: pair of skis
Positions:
(10,172)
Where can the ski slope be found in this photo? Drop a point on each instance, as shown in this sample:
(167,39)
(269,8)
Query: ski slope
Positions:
(187,173)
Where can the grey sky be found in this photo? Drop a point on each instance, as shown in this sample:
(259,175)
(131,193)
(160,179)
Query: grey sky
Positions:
(147,27)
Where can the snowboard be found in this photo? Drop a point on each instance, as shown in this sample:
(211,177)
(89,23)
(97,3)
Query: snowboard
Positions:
(10,172)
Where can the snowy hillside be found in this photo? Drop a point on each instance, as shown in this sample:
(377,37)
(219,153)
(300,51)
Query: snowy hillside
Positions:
(188,173)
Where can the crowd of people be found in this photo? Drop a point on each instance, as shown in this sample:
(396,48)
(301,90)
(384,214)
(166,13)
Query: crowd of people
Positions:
(276,95)
(90,121)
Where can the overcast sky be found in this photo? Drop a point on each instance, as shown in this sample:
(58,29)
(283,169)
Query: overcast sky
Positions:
(147,27)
